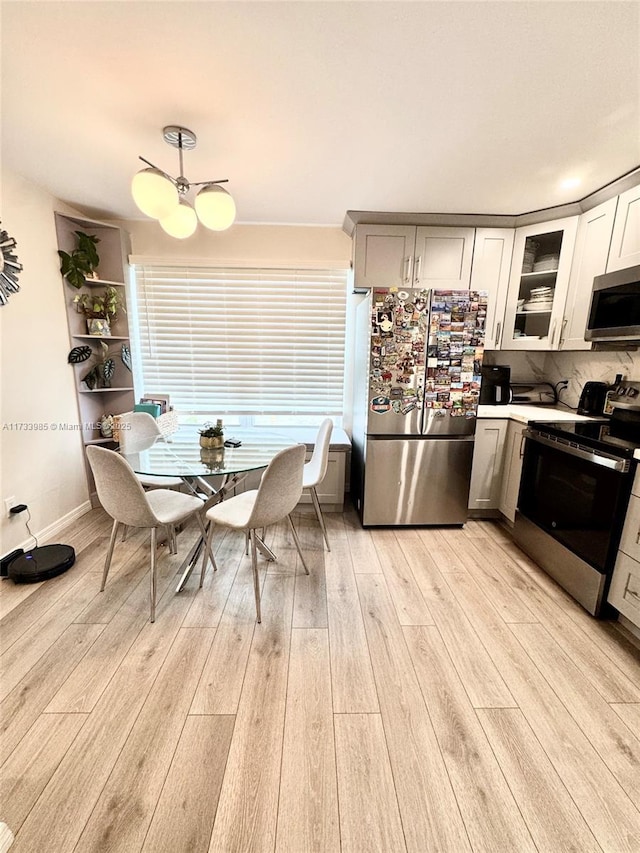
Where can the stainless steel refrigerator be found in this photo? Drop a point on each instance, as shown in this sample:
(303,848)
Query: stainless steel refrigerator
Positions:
(417,385)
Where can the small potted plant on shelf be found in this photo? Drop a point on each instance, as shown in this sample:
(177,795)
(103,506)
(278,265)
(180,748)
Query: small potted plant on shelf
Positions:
(101,373)
(83,262)
(212,435)
(99,309)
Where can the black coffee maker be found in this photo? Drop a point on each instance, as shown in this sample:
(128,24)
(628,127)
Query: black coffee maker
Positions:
(592,398)
(495,389)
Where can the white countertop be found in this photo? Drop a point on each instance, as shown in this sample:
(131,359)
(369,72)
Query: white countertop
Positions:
(523,413)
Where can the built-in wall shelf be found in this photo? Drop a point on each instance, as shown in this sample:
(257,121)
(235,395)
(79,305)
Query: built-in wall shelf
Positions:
(101,337)
(103,282)
(93,404)
(101,390)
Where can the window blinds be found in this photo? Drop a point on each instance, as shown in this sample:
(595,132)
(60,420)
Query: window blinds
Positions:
(242,341)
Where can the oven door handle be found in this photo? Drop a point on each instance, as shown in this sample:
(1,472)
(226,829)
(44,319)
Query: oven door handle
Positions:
(586,453)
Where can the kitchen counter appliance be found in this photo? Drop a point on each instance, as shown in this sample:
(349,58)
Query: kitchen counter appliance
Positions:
(574,492)
(534,393)
(495,389)
(592,398)
(416,390)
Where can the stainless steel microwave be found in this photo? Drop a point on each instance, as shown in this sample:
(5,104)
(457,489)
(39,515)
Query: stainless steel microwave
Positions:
(614,314)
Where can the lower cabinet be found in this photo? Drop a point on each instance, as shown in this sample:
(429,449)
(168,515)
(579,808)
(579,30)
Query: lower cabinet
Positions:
(330,491)
(512,471)
(486,474)
(624,592)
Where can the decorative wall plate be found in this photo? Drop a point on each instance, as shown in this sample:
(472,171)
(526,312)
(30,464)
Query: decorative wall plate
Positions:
(9,268)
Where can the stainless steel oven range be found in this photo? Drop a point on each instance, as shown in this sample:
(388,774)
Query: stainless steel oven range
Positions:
(574,492)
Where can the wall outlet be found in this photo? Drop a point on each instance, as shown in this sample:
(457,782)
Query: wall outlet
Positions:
(8,503)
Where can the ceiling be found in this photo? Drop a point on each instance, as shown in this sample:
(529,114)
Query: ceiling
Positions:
(313,108)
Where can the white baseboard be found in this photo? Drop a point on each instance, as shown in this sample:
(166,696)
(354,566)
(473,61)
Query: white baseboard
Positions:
(51,530)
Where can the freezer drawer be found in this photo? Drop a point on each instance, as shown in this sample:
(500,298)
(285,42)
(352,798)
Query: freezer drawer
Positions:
(416,481)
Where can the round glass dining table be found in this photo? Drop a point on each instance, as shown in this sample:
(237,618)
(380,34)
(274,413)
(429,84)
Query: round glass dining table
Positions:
(180,455)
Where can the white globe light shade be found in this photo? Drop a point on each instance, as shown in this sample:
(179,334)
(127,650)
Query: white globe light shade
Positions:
(154,194)
(181,223)
(215,208)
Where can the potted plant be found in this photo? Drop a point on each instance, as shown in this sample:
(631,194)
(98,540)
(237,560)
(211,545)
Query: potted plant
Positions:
(82,262)
(101,373)
(99,309)
(212,435)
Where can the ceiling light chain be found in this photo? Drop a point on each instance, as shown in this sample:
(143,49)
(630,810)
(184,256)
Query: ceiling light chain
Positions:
(162,197)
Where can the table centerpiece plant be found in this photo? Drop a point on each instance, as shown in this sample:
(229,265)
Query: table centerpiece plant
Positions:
(212,435)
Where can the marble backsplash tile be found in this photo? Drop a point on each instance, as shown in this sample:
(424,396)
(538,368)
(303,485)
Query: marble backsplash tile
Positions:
(577,367)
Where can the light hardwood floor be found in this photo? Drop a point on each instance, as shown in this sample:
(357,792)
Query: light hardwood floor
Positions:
(420,690)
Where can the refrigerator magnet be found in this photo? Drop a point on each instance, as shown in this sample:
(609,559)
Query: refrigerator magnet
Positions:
(380,405)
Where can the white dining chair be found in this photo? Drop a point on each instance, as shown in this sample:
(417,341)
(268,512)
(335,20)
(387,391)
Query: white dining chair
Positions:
(275,498)
(123,498)
(316,469)
(138,431)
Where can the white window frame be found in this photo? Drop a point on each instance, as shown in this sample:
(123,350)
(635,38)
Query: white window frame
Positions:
(227,281)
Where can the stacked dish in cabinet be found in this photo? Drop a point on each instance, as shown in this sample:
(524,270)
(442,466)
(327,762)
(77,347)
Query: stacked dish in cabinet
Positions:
(537,285)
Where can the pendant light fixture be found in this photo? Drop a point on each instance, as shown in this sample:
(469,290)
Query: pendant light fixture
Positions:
(162,197)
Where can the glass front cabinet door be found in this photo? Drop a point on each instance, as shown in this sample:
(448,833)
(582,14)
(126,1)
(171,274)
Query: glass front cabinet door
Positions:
(538,284)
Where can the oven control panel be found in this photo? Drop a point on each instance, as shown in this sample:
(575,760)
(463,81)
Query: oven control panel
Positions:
(626,395)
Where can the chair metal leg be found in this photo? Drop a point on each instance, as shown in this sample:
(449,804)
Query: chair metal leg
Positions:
(247,536)
(125,533)
(254,567)
(207,538)
(107,562)
(297,541)
(316,505)
(154,536)
(172,539)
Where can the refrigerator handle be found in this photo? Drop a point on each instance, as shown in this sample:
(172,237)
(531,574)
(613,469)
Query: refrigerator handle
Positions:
(418,267)
(407,269)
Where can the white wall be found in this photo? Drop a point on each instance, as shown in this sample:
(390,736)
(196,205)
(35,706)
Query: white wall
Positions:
(41,468)
(253,244)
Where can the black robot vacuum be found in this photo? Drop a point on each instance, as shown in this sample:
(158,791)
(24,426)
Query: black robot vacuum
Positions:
(41,564)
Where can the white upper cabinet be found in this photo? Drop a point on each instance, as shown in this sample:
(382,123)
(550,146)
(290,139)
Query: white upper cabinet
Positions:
(383,255)
(410,256)
(538,284)
(492,252)
(443,257)
(589,260)
(625,243)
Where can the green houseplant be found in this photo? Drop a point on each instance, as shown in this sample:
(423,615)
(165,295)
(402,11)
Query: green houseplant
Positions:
(212,435)
(82,262)
(101,373)
(99,309)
